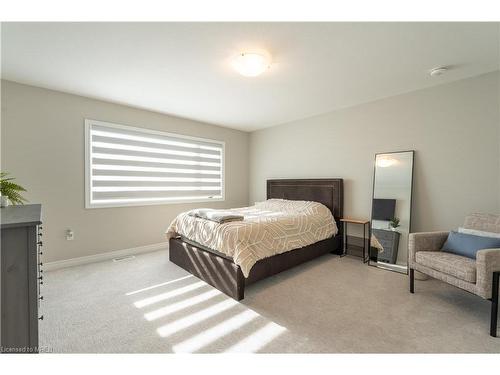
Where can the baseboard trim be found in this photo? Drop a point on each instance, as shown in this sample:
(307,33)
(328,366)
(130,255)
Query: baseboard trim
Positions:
(50,266)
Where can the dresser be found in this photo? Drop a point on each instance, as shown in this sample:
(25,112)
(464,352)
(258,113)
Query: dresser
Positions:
(389,240)
(21,277)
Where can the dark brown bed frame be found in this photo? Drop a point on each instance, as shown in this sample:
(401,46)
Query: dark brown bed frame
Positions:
(221,272)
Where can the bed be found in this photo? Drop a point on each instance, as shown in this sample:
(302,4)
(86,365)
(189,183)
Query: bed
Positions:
(221,271)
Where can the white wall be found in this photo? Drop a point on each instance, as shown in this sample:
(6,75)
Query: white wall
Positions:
(43,147)
(453,128)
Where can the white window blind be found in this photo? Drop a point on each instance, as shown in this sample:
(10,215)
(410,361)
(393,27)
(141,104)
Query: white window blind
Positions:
(134,166)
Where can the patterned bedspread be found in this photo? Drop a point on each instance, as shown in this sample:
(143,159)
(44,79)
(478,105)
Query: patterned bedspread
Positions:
(269,228)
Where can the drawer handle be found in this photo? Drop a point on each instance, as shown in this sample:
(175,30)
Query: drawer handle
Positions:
(40,298)
(40,253)
(41,317)
(40,264)
(40,278)
(41,282)
(41,271)
(40,243)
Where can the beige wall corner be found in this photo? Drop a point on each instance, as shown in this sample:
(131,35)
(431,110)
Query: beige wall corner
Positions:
(454,129)
(43,148)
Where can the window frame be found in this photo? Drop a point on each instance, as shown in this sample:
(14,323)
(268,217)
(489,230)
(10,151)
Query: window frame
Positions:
(88,166)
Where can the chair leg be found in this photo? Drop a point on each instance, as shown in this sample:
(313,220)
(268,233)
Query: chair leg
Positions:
(494,304)
(412,280)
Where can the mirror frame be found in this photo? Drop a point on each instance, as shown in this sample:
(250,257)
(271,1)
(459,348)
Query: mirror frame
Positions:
(370,260)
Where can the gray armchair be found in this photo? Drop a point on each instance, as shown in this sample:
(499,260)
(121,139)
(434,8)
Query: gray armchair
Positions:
(479,276)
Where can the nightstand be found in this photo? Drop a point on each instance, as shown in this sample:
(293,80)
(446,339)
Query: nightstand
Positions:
(366,240)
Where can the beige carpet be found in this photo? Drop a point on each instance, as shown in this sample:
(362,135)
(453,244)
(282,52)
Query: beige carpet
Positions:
(328,305)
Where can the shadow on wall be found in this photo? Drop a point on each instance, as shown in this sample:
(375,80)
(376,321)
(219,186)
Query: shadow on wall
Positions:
(422,208)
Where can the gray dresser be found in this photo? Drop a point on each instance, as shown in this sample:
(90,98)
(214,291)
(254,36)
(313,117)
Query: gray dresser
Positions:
(21,278)
(389,240)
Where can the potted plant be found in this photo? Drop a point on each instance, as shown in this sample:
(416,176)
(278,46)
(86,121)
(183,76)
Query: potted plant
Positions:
(10,192)
(394,223)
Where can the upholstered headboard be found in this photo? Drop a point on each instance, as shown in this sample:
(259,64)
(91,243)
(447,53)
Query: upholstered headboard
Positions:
(327,191)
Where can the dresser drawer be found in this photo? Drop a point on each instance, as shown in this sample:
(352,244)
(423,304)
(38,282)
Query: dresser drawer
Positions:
(21,275)
(390,241)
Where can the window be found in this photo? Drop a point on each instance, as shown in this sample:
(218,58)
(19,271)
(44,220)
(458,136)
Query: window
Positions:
(133,166)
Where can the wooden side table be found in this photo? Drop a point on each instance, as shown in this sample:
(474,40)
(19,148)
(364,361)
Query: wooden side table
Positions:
(366,241)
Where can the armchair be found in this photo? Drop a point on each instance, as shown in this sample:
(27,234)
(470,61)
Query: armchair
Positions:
(479,276)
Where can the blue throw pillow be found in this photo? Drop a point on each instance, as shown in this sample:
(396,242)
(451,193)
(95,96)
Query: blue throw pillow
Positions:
(467,244)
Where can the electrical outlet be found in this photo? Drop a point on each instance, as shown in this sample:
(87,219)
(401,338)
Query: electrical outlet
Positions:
(70,236)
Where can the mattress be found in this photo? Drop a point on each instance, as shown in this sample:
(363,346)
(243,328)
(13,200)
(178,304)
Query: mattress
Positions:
(269,228)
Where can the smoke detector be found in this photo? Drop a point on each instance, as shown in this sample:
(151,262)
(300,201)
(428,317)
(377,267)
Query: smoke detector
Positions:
(440,70)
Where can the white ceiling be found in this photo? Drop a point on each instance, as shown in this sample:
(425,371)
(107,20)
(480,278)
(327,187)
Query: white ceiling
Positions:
(182,68)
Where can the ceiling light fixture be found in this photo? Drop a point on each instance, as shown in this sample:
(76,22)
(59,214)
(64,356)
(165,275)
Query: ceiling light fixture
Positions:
(251,64)
(385,161)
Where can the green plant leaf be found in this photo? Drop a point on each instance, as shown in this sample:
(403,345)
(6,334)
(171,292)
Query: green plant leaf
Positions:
(11,190)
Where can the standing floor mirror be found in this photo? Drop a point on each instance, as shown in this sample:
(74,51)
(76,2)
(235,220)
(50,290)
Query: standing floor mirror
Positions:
(391,210)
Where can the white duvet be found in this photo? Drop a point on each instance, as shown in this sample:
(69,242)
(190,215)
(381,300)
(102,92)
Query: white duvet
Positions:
(269,228)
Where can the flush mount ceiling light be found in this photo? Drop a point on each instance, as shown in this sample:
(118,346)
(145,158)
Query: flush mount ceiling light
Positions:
(250,64)
(434,72)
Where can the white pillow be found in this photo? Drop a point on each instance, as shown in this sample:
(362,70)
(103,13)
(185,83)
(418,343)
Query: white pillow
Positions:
(480,233)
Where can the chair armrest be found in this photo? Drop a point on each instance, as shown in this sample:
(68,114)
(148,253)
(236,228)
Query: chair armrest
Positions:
(487,262)
(425,241)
